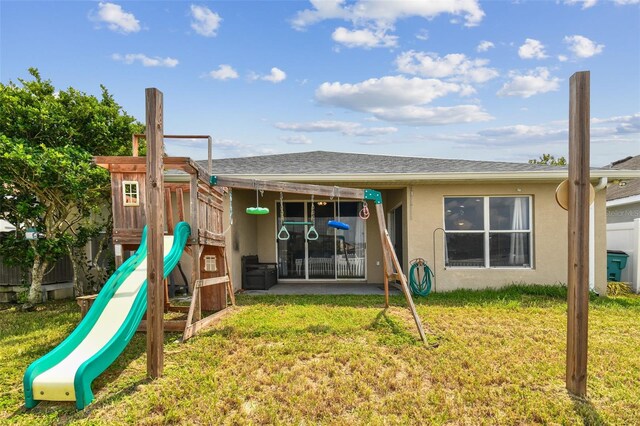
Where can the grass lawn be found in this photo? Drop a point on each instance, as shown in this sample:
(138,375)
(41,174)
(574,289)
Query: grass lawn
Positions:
(495,357)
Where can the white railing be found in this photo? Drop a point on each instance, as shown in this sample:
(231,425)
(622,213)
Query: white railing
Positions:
(325,266)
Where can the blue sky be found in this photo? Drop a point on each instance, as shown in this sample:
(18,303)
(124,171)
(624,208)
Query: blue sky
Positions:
(450,79)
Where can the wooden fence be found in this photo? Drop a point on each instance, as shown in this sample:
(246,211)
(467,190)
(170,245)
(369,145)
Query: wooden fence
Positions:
(15,276)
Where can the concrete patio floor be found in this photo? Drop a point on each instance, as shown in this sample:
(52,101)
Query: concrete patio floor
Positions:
(324,288)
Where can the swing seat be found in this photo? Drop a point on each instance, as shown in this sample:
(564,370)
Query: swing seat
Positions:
(257,210)
(338,225)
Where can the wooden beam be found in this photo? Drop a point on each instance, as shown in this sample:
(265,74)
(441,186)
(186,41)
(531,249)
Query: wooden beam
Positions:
(168,209)
(578,238)
(211,281)
(404,286)
(382,227)
(114,159)
(155,232)
(230,290)
(193,329)
(193,207)
(142,135)
(180,203)
(209,156)
(134,145)
(291,188)
(169,325)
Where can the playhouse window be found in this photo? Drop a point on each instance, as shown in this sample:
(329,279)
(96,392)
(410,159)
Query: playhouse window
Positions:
(130,193)
(488,232)
(210,263)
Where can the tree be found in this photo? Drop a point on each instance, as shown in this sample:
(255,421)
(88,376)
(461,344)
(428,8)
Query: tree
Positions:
(549,160)
(47,180)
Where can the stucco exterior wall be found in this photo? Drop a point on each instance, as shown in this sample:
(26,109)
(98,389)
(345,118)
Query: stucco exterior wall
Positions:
(241,237)
(422,214)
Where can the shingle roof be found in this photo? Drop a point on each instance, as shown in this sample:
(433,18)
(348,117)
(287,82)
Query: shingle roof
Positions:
(329,163)
(632,186)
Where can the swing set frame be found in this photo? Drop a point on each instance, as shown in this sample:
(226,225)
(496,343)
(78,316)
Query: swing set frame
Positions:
(392,268)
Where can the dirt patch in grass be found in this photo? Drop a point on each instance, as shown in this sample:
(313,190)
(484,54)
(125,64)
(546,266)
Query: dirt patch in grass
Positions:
(493,358)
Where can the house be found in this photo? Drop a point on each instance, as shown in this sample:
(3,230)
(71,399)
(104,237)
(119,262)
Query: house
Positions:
(623,219)
(477,223)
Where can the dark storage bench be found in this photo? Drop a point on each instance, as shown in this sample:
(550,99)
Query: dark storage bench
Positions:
(258,276)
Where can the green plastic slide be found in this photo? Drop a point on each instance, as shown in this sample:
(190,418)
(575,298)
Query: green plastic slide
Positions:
(66,373)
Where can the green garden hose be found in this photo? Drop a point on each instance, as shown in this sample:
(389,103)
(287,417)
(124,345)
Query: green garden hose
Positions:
(420,286)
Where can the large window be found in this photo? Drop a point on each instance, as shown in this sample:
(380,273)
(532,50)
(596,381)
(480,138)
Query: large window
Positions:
(334,255)
(488,232)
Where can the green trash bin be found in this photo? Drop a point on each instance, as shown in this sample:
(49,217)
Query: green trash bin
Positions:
(616,262)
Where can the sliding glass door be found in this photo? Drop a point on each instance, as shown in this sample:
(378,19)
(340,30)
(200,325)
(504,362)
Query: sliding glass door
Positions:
(335,254)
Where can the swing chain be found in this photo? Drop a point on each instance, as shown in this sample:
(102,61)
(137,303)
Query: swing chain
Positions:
(313,211)
(283,234)
(364,213)
(281,208)
(312,234)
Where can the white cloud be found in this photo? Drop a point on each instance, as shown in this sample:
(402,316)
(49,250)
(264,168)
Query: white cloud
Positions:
(205,22)
(116,18)
(532,49)
(432,116)
(590,3)
(145,60)
(276,76)
(603,131)
(511,134)
(385,92)
(454,65)
(563,58)
(224,72)
(586,4)
(227,148)
(423,35)
(400,99)
(534,82)
(582,47)
(385,13)
(296,140)
(625,124)
(484,46)
(365,38)
(347,128)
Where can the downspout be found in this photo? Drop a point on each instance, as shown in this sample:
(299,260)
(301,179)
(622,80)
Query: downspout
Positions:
(602,183)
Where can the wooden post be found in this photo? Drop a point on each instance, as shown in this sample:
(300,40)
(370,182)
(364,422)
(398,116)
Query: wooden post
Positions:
(155,233)
(389,253)
(134,145)
(209,155)
(578,257)
(386,267)
(168,210)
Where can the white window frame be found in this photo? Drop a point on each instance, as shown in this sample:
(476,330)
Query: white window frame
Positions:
(134,184)
(210,263)
(487,231)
